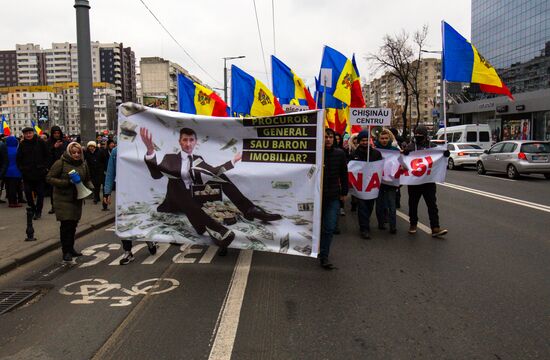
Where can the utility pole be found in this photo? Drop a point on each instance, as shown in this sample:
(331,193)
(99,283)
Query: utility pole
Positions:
(225,73)
(85,85)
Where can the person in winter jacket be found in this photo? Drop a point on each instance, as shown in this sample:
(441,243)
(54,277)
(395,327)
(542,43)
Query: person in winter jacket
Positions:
(386,201)
(13,175)
(365,152)
(57,145)
(3,164)
(95,159)
(33,160)
(68,208)
(335,189)
(428,190)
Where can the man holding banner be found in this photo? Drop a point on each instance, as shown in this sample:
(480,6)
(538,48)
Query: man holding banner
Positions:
(365,170)
(335,189)
(425,189)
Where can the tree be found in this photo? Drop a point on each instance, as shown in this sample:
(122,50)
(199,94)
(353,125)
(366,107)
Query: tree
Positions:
(419,39)
(396,56)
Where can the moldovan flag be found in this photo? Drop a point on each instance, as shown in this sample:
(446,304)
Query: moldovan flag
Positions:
(463,63)
(337,119)
(36,128)
(342,72)
(5,127)
(288,87)
(193,98)
(250,97)
(357,99)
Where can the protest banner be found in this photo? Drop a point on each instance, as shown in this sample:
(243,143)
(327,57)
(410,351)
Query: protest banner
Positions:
(392,164)
(423,166)
(195,179)
(364,178)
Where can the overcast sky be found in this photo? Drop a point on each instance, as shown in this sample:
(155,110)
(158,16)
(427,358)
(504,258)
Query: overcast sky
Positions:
(210,30)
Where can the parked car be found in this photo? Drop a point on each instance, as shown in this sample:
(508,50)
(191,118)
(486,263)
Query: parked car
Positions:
(463,154)
(479,134)
(516,157)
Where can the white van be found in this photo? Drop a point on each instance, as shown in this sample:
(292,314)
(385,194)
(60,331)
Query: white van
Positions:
(472,134)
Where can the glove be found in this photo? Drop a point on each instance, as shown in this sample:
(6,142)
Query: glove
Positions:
(447,153)
(74,177)
(406,152)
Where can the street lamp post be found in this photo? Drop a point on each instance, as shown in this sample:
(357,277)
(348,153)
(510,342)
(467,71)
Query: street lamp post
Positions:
(225,73)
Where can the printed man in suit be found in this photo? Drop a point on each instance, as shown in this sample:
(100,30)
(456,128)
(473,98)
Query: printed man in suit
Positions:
(184,170)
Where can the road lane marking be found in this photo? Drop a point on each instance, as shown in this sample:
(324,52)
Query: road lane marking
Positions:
(419,225)
(228,319)
(507,199)
(496,177)
(161,249)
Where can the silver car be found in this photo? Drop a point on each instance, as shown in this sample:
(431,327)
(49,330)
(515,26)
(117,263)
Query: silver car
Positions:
(516,157)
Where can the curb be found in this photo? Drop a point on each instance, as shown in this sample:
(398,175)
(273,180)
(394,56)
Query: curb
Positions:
(51,244)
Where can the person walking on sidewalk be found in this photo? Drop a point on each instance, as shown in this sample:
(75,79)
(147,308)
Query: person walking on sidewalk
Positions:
(57,145)
(95,160)
(68,208)
(33,161)
(13,175)
(107,189)
(427,190)
(335,189)
(386,201)
(365,152)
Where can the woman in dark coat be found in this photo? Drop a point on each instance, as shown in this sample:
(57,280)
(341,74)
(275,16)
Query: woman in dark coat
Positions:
(68,209)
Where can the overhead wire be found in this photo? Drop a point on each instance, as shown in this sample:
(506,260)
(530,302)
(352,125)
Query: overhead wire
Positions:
(178,43)
(261,42)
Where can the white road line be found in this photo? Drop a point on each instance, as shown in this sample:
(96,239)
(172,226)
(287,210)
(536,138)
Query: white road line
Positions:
(507,199)
(150,260)
(228,318)
(421,226)
(497,177)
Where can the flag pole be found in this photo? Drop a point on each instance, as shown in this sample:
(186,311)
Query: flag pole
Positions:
(443,82)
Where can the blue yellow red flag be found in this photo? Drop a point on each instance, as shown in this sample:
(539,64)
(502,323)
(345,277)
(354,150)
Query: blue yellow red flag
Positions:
(194,98)
(288,87)
(463,63)
(341,70)
(250,97)
(36,128)
(5,127)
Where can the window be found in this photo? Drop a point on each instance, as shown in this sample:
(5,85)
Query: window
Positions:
(471,136)
(484,136)
(497,148)
(535,148)
(456,137)
(451,147)
(468,147)
(509,148)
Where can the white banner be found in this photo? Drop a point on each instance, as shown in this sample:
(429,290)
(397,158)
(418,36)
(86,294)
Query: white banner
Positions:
(392,163)
(423,166)
(246,183)
(364,178)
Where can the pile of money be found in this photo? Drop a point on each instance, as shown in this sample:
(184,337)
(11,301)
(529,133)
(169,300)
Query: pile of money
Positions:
(306,250)
(208,190)
(222,211)
(129,108)
(283,185)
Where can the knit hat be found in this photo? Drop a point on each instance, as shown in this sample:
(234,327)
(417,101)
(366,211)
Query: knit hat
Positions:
(28,128)
(363,134)
(91,143)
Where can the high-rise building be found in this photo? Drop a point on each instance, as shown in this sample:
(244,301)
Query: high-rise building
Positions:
(387,91)
(57,104)
(111,63)
(514,36)
(159,82)
(8,68)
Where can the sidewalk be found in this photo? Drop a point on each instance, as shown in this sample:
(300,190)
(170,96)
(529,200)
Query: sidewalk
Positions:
(13,223)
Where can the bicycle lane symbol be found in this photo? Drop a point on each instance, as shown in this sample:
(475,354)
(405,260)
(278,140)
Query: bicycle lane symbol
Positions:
(89,291)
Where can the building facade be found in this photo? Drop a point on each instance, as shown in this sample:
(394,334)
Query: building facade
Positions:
(111,63)
(159,82)
(387,91)
(8,68)
(58,104)
(514,36)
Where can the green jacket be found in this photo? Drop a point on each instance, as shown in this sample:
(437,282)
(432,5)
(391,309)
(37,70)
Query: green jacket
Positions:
(65,202)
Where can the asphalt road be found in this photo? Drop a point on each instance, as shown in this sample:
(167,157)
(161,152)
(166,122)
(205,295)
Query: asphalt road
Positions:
(483,292)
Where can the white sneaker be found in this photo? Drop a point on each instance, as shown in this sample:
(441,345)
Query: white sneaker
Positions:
(127,258)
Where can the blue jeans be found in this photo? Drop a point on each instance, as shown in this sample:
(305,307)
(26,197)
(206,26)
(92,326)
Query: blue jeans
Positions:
(386,202)
(329,217)
(363,212)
